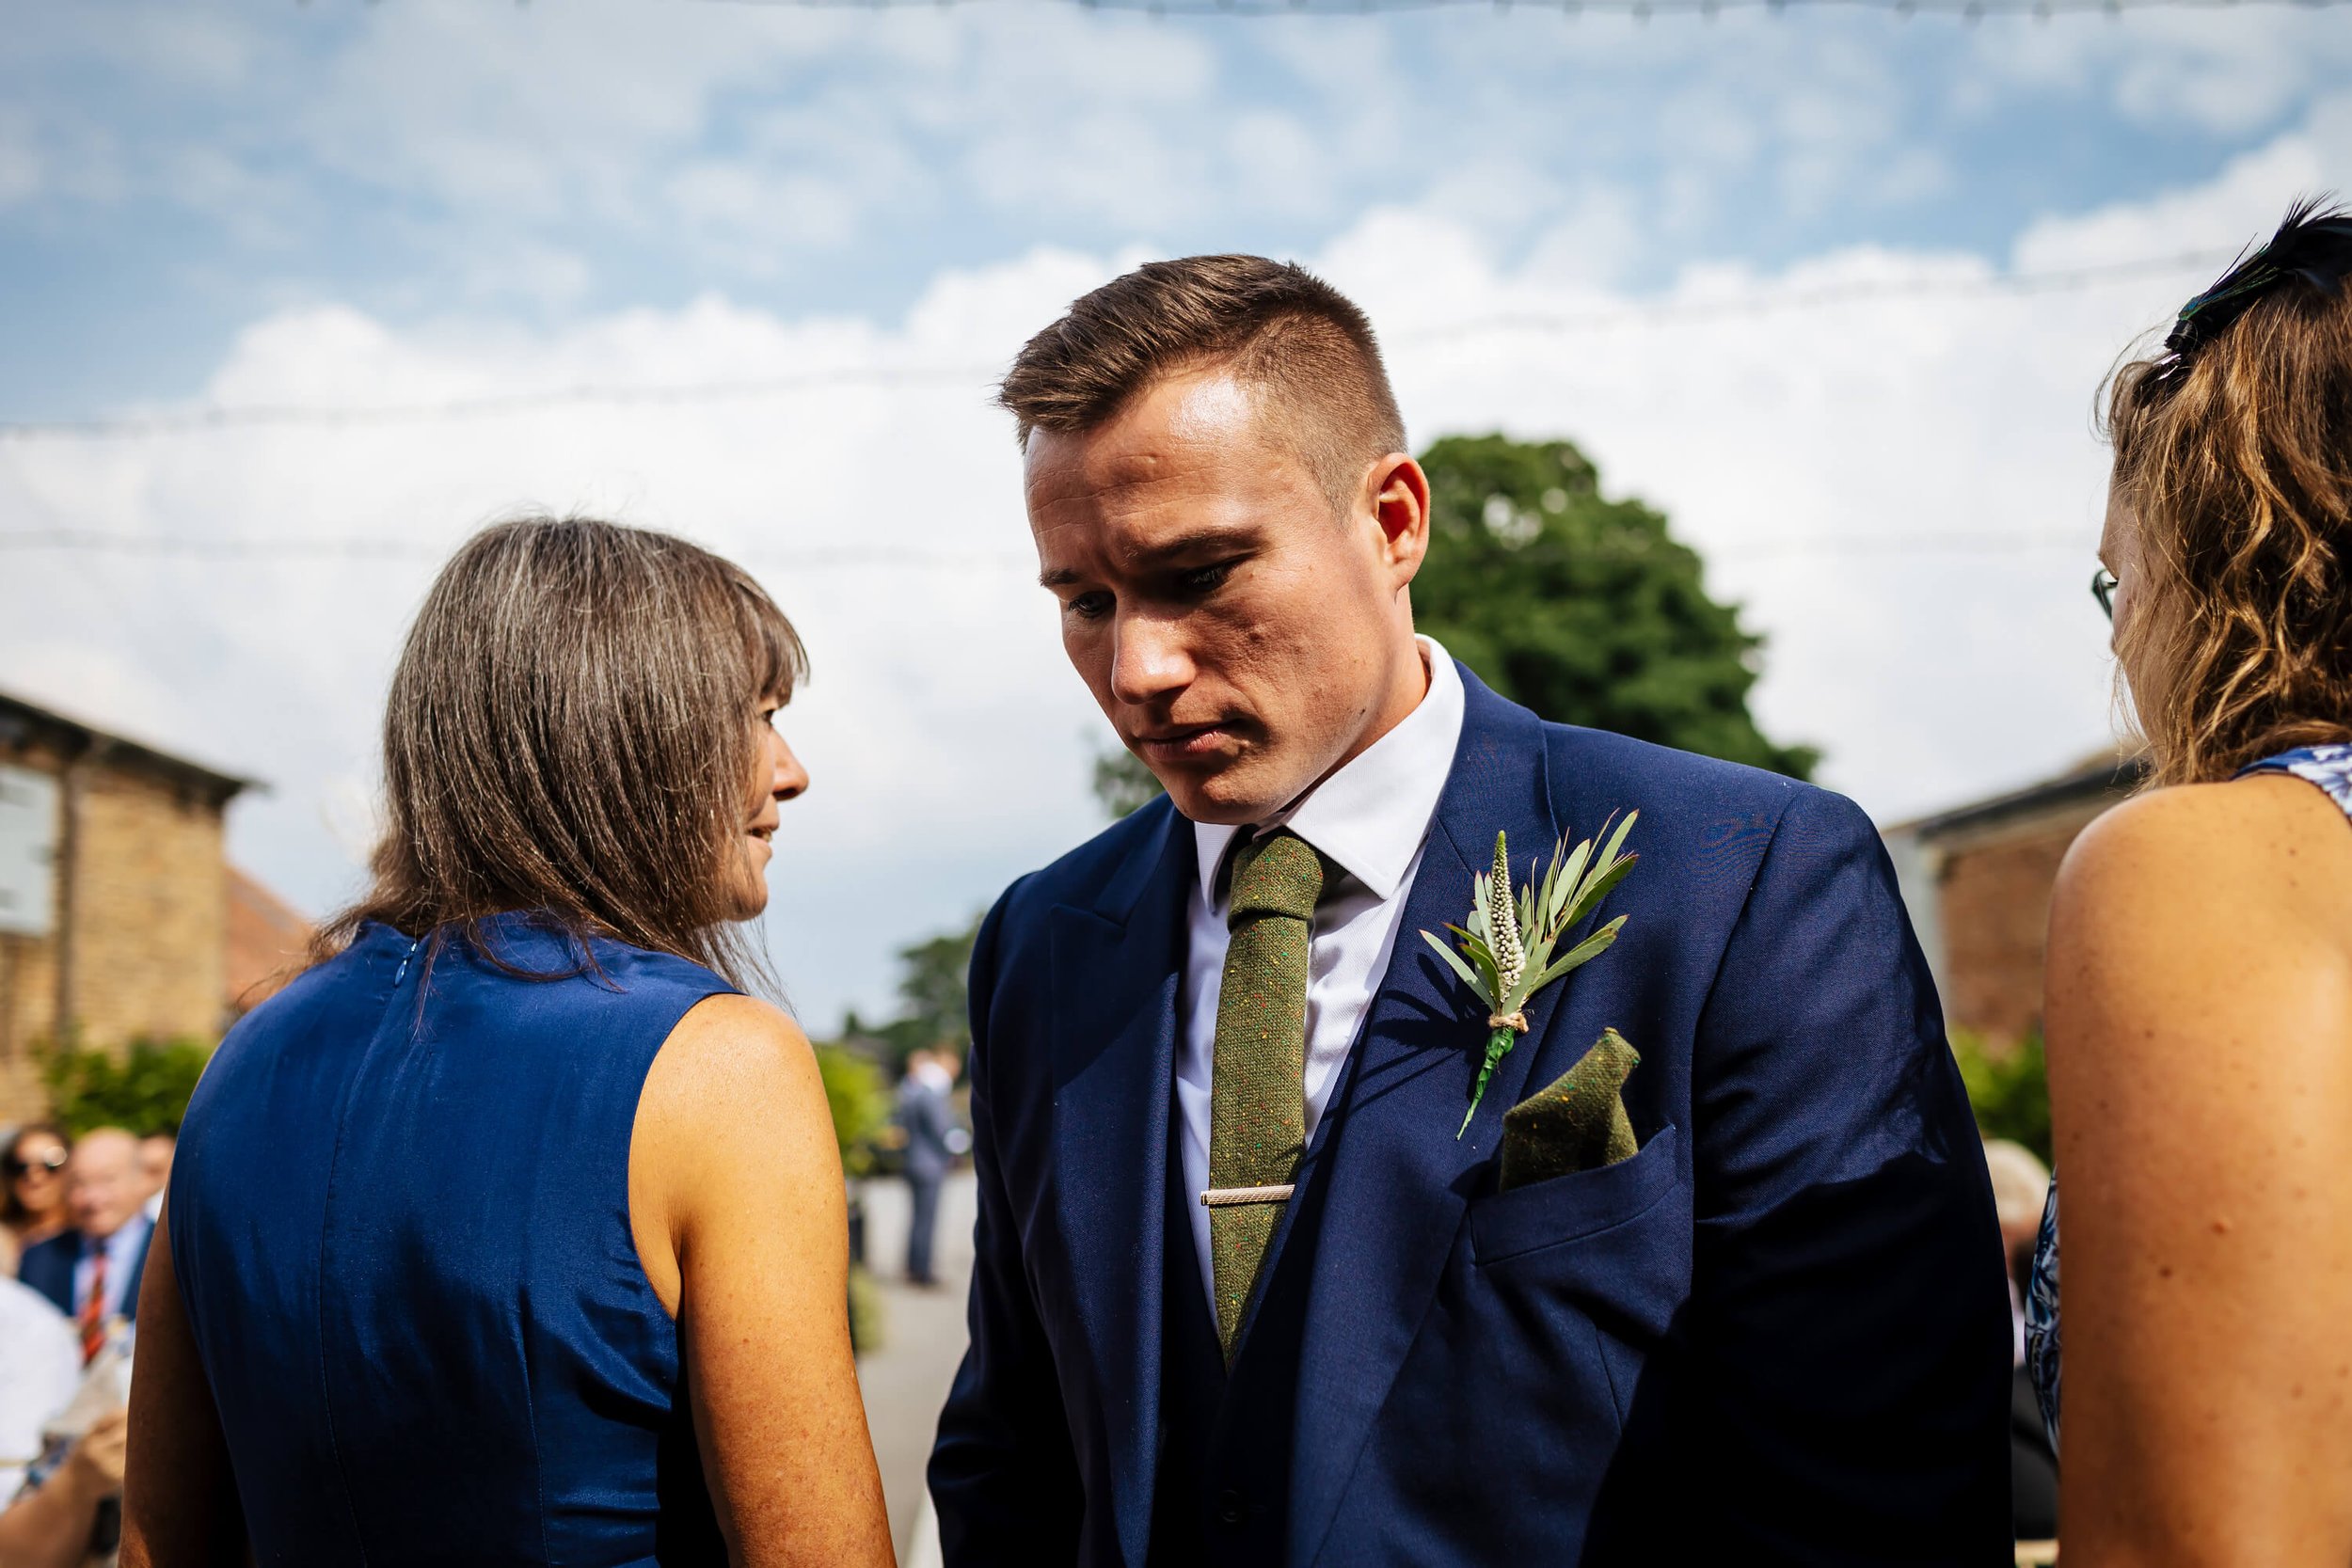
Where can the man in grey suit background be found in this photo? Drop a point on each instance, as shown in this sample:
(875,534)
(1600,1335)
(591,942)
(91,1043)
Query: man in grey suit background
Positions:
(929,1119)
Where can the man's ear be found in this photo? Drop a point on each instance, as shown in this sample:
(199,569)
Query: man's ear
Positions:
(1399,505)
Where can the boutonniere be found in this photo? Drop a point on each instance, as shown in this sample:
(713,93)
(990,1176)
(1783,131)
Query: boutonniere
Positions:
(1506,954)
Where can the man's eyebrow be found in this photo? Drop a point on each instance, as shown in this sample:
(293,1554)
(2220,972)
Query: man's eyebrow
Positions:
(1173,550)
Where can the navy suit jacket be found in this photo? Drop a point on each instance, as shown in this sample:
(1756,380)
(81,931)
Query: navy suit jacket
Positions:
(1779,1334)
(48,1267)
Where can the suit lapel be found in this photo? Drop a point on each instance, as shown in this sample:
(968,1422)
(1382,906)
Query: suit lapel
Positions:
(1399,1178)
(1117,969)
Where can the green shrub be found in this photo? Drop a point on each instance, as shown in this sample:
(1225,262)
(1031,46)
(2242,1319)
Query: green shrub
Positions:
(860,1102)
(2007,1088)
(146,1091)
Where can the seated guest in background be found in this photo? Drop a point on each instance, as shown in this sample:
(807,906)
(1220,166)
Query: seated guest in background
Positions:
(52,1522)
(41,1361)
(91,1273)
(2200,981)
(155,1151)
(32,1206)
(47,1519)
(515,1181)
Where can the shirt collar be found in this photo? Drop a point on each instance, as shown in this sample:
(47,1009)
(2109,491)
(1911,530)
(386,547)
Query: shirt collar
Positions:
(1371,816)
(115,1245)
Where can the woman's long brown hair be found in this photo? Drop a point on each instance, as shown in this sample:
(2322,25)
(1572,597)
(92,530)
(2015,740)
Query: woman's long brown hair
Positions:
(572,730)
(2234,459)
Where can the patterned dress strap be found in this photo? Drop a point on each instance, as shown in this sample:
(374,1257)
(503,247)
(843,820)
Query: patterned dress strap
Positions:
(2328,768)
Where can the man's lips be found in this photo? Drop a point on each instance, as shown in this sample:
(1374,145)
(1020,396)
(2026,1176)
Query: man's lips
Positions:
(1181,742)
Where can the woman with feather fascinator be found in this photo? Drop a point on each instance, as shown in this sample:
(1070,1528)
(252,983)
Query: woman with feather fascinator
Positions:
(2199,973)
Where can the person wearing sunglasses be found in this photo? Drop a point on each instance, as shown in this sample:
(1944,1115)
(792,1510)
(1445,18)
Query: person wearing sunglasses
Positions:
(2199,1007)
(32,1207)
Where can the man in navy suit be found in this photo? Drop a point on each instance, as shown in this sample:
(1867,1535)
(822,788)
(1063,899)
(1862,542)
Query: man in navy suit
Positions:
(1242,1294)
(91,1273)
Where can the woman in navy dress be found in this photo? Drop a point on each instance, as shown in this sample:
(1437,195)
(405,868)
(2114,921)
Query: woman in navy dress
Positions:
(2199,971)
(512,1232)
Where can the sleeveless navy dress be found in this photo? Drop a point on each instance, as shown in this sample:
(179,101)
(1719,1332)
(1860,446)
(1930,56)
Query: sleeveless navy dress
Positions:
(399,1221)
(2329,768)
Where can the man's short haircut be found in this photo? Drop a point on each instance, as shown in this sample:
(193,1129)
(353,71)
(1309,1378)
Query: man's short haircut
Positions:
(1304,350)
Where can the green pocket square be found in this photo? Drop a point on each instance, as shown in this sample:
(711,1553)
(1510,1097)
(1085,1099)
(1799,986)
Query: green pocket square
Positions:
(1576,1124)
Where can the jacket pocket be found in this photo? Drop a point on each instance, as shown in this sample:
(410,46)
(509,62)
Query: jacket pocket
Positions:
(1570,1207)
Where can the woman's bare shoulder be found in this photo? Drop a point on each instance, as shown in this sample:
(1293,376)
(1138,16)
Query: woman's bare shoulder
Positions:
(2270,850)
(732,1062)
(2190,917)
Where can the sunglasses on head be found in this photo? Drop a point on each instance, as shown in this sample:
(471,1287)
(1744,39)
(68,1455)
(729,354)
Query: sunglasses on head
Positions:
(21,1165)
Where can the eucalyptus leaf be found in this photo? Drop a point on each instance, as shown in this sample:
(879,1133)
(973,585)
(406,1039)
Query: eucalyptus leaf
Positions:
(1489,966)
(1572,873)
(1558,884)
(1618,841)
(1583,952)
(1451,957)
(1599,888)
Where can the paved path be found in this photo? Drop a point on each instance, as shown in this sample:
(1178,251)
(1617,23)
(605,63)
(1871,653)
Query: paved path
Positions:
(922,1339)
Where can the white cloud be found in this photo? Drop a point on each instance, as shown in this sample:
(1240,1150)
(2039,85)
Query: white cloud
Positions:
(2242,203)
(2235,71)
(948,741)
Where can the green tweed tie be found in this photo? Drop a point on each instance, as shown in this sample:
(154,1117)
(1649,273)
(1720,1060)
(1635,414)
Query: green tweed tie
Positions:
(1258,1080)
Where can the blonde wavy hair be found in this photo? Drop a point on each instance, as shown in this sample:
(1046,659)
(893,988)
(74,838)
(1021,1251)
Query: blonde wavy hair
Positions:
(2233,467)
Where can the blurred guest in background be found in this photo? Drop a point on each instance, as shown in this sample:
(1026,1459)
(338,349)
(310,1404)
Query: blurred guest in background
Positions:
(57,1519)
(52,1490)
(41,1361)
(32,1209)
(634,1348)
(2200,981)
(2020,1183)
(930,1122)
(155,1151)
(91,1273)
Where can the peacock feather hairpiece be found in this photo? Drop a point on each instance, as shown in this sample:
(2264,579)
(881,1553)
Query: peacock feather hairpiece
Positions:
(2314,244)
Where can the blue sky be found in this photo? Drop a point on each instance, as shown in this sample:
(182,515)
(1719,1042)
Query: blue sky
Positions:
(168,173)
(349,205)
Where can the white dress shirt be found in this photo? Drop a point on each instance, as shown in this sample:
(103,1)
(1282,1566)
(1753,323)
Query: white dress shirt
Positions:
(1370,819)
(123,1256)
(40,1363)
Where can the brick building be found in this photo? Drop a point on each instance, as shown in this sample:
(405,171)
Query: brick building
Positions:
(1978,879)
(115,898)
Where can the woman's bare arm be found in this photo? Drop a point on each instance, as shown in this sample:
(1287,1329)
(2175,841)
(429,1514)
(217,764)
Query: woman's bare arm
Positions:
(736,1199)
(2199,1022)
(180,1506)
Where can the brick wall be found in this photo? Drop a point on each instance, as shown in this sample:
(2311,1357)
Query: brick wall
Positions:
(1995,885)
(147,910)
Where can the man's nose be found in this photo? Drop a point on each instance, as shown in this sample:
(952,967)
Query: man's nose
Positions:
(1150,658)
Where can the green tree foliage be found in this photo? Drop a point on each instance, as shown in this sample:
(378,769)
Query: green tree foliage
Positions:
(1122,784)
(859,1098)
(146,1091)
(1583,608)
(934,991)
(2008,1088)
